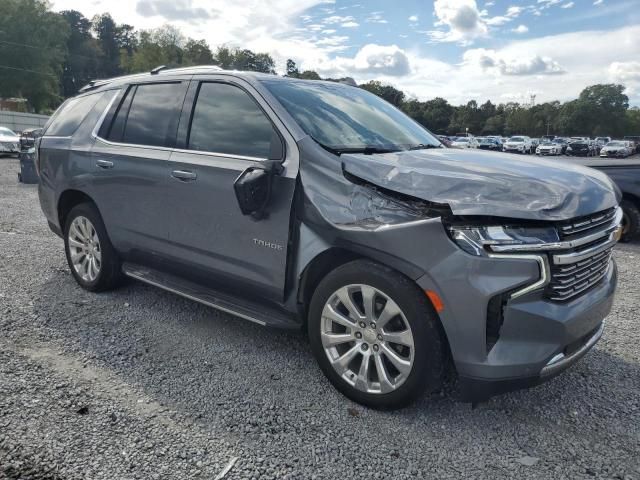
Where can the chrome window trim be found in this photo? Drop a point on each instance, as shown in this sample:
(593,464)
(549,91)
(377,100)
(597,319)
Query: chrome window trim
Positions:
(545,272)
(103,115)
(98,126)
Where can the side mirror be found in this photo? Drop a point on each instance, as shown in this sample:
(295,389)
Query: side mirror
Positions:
(253,188)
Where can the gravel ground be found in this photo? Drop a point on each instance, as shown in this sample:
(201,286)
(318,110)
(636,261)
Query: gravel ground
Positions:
(139,383)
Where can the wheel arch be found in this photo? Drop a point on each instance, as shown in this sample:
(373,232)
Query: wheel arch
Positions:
(69,199)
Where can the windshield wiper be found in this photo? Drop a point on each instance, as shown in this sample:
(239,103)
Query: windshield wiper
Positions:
(424,146)
(367,149)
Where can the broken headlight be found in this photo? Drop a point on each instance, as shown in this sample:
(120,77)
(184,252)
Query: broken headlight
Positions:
(481,241)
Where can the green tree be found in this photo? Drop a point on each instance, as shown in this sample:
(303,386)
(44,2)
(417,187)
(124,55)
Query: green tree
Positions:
(81,62)
(197,52)
(106,33)
(33,49)
(602,109)
(292,69)
(387,92)
(309,75)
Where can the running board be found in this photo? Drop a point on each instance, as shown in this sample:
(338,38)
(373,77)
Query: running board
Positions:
(248,310)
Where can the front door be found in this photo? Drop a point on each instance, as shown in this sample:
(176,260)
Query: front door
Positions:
(228,131)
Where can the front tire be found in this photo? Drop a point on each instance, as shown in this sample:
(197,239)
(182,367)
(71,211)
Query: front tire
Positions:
(375,335)
(630,221)
(92,259)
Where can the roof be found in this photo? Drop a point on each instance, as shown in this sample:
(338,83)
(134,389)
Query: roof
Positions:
(161,71)
(605,162)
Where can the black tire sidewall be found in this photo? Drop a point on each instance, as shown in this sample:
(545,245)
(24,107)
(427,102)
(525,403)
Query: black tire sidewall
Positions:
(632,213)
(110,264)
(428,349)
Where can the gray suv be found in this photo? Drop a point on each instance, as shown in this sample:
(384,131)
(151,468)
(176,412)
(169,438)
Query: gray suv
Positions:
(318,206)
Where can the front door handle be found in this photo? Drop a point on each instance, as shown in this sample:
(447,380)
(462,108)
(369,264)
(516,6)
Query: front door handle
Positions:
(184,175)
(104,164)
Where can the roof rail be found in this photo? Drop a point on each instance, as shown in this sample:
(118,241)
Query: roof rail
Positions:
(157,70)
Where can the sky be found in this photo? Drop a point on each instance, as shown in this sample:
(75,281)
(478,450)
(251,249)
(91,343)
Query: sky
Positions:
(461,50)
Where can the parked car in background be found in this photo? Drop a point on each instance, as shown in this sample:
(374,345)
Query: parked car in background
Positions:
(626,175)
(581,147)
(562,143)
(28,138)
(548,137)
(636,141)
(9,141)
(445,140)
(616,148)
(227,188)
(519,144)
(547,147)
(490,143)
(465,142)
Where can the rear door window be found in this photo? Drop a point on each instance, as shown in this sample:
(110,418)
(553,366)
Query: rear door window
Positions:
(227,120)
(148,115)
(71,114)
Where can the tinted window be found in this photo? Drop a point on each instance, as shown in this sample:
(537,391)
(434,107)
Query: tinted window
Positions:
(153,111)
(343,117)
(227,120)
(71,114)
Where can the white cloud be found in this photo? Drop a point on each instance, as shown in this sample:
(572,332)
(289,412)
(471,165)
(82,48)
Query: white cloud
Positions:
(372,59)
(626,72)
(462,20)
(350,24)
(413,18)
(598,2)
(520,29)
(501,64)
(337,19)
(376,17)
(568,5)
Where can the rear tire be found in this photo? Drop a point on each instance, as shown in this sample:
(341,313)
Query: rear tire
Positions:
(630,221)
(92,259)
(398,311)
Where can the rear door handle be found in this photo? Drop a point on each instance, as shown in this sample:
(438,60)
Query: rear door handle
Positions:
(184,175)
(104,164)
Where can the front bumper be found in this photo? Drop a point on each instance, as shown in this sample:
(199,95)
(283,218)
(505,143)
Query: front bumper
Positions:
(538,338)
(8,147)
(514,149)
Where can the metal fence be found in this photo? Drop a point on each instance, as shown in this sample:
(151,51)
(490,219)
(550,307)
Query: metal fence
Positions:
(18,121)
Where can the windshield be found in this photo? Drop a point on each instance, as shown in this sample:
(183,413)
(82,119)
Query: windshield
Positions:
(7,132)
(516,139)
(462,140)
(341,117)
(615,144)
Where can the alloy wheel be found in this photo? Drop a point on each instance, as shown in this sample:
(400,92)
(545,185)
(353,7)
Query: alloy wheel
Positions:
(84,249)
(367,339)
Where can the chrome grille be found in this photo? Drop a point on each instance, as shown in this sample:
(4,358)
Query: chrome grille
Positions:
(568,281)
(583,224)
(576,270)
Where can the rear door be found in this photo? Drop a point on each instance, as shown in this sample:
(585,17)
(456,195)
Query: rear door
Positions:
(130,157)
(225,129)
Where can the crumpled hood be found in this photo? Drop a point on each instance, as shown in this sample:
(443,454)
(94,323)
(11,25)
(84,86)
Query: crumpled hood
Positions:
(476,182)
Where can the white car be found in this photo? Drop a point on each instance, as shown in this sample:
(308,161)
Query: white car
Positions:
(465,142)
(9,141)
(548,148)
(519,144)
(616,148)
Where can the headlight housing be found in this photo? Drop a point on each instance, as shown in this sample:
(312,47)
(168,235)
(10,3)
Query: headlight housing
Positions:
(482,241)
